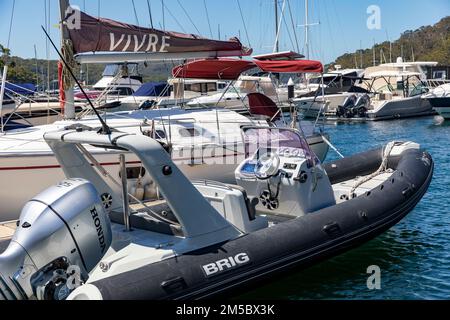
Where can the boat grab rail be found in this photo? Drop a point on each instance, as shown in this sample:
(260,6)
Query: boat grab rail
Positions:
(210,183)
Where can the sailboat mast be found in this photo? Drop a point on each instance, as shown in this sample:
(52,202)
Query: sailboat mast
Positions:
(2,93)
(361,54)
(69,105)
(373,52)
(277,44)
(37,67)
(307,29)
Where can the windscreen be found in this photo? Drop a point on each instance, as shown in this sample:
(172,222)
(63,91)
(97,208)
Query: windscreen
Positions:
(274,139)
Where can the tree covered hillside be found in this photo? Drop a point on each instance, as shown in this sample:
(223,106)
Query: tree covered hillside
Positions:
(428,43)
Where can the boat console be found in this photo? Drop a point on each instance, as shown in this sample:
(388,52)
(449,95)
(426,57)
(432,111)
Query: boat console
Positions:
(284,174)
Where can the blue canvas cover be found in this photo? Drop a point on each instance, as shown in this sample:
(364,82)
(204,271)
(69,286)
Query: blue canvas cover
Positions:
(153,89)
(24,89)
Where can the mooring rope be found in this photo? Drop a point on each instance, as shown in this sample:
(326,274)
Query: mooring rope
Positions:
(68,54)
(382,169)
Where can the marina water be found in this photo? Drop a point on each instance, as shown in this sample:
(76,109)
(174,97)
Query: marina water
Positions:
(414,256)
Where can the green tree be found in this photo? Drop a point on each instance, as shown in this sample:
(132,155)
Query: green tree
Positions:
(427,43)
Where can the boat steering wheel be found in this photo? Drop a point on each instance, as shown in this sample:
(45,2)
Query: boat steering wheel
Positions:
(267,166)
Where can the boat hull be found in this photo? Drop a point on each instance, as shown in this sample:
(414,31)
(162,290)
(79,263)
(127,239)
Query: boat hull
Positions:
(401,108)
(310,107)
(442,106)
(296,243)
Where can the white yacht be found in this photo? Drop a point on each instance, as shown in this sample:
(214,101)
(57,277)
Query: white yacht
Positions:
(398,94)
(338,86)
(440,100)
(396,91)
(118,80)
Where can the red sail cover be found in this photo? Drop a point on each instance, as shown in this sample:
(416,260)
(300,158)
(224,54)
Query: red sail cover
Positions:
(213,69)
(105,35)
(294,66)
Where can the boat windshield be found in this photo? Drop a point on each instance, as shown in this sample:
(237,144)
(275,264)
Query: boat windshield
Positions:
(111,70)
(276,139)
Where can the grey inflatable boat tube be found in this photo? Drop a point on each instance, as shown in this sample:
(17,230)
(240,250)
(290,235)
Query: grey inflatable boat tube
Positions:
(295,243)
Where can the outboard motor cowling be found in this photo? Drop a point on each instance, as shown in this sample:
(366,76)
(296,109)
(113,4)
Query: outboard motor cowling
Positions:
(362,105)
(62,235)
(347,108)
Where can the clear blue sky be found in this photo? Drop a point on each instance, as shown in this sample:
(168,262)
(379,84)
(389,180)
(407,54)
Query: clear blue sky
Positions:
(342,22)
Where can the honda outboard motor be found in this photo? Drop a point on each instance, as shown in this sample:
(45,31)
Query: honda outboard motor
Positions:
(62,235)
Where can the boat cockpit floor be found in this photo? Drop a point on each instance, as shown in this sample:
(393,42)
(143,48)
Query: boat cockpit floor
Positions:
(144,218)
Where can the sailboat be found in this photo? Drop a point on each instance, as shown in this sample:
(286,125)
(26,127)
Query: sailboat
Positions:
(204,143)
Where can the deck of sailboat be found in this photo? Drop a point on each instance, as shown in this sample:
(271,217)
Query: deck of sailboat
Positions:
(31,140)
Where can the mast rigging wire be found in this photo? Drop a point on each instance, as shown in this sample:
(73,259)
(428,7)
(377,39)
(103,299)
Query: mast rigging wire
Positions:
(188,16)
(293,25)
(11,23)
(277,39)
(243,21)
(173,16)
(207,18)
(150,13)
(163,6)
(47,47)
(105,128)
(135,13)
(287,30)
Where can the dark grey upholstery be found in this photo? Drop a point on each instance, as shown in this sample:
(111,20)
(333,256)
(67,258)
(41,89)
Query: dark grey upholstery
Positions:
(145,221)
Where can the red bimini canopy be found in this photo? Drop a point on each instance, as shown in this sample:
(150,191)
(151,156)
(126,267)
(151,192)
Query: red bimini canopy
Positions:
(290,66)
(213,69)
(277,56)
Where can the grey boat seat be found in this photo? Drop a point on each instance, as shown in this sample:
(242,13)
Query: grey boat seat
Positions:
(144,220)
(251,202)
(234,204)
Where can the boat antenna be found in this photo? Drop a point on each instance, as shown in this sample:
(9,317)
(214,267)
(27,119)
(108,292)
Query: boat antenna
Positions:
(105,128)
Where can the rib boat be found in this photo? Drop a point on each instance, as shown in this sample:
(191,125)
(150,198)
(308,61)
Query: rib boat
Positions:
(81,240)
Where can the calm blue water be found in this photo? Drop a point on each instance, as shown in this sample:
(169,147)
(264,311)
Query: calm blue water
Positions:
(414,256)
